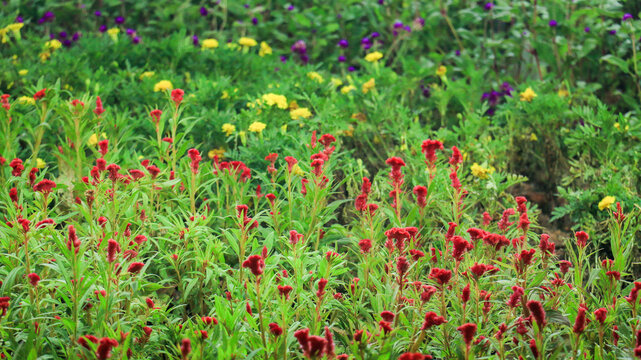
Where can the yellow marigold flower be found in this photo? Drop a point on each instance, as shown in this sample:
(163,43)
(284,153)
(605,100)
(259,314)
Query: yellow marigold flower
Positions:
(228,129)
(15,27)
(93,139)
(210,44)
(369,85)
(441,71)
(257,127)
(606,202)
(213,152)
(264,49)
(26,100)
(146,74)
(23,72)
(40,164)
(346,89)
(481,172)
(225,95)
(113,33)
(337,82)
(274,99)
(297,170)
(293,105)
(53,44)
(527,95)
(245,41)
(563,92)
(315,76)
(373,56)
(300,113)
(163,85)
(3,34)
(533,137)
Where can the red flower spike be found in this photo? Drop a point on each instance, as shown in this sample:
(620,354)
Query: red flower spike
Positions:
(255,263)
(177,96)
(275,329)
(34,279)
(468,331)
(536,309)
(432,319)
(40,94)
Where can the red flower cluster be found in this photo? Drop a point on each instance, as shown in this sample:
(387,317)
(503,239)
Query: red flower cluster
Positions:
(256,264)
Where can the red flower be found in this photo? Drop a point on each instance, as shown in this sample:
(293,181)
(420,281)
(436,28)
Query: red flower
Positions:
(104,348)
(153,171)
(487,218)
(294,237)
(402,265)
(195,157)
(155,116)
(432,319)
(113,172)
(427,293)
(322,283)
(414,356)
(395,173)
(515,298)
(44,186)
(600,315)
(456,158)
(385,326)
(34,279)
(4,99)
(13,195)
(429,148)
(421,194)
(388,316)
(460,246)
(284,290)
(104,146)
(43,223)
(135,268)
(72,239)
(185,348)
(581,238)
(255,263)
(536,309)
(520,204)
(468,331)
(564,265)
(365,245)
(177,96)
(442,276)
(113,248)
(545,245)
(416,254)
(150,303)
(313,346)
(275,329)
(16,166)
(291,161)
(98,110)
(465,294)
(579,322)
(534,349)
(40,94)
(83,341)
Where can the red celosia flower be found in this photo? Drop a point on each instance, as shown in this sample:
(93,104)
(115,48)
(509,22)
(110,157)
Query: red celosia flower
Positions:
(195,157)
(456,157)
(32,175)
(564,265)
(536,309)
(487,218)
(284,290)
(150,303)
(385,326)
(103,146)
(460,246)
(294,237)
(209,320)
(468,331)
(365,245)
(153,171)
(515,298)
(313,346)
(322,283)
(4,99)
(43,223)
(615,335)
(291,161)
(402,266)
(579,322)
(113,248)
(520,204)
(177,96)
(442,276)
(40,94)
(185,348)
(465,294)
(619,215)
(275,329)
(16,166)
(421,194)
(255,263)
(414,356)
(101,164)
(135,268)
(329,344)
(104,348)
(44,186)
(13,195)
(73,240)
(427,292)
(600,315)
(388,316)
(34,279)
(524,222)
(432,319)
(546,246)
(416,254)
(505,223)
(395,174)
(155,116)
(83,341)
(581,238)
(136,174)
(534,348)
(429,148)
(113,172)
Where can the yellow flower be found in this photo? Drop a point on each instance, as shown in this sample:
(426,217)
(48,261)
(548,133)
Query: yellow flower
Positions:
(93,139)
(44,56)
(606,202)
(374,56)
(3,34)
(349,132)
(297,170)
(225,95)
(40,164)
(257,127)
(369,85)
(245,41)
(163,85)
(533,137)
(283,129)
(210,44)
(300,113)
(481,172)
(264,49)
(337,82)
(315,76)
(26,100)
(346,89)
(233,46)
(527,95)
(441,71)
(213,152)
(274,99)
(23,72)
(113,33)
(563,92)
(15,27)
(146,74)
(53,44)
(228,129)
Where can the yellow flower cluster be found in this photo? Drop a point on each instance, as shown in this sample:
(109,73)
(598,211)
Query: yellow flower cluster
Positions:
(315,76)
(273,99)
(257,127)
(441,71)
(210,44)
(15,28)
(527,95)
(373,56)
(249,42)
(300,113)
(482,172)
(146,74)
(28,100)
(606,202)
(264,49)
(93,139)
(113,33)
(369,85)
(50,47)
(163,85)
(228,129)
(213,152)
(346,89)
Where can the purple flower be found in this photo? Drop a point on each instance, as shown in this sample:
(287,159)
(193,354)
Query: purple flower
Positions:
(381,2)
(19,19)
(458,52)
(304,58)
(283,58)
(553,23)
(351,69)
(52,36)
(136,40)
(299,47)
(343,43)
(626,16)
(75,36)
(366,43)
(398,25)
(612,32)
(407,28)
(375,34)
(587,29)
(246,6)
(419,22)
(203,11)
(254,21)
(66,43)
(119,20)
(98,13)
(62,34)
(341,58)
(49,16)
(425,91)
(131,32)
(41,20)
(102,28)
(194,39)
(489,6)
(507,89)
(290,8)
